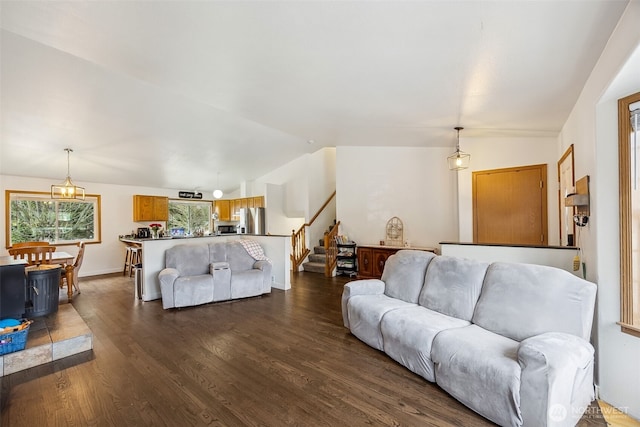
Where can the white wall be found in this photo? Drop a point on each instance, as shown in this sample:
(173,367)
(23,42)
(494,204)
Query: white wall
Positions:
(503,152)
(552,256)
(322,183)
(277,220)
(375,184)
(592,128)
(293,179)
(295,192)
(117,219)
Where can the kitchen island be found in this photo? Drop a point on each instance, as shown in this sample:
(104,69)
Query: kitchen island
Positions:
(276,247)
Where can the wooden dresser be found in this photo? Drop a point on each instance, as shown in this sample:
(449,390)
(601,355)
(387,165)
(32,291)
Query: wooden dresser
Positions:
(371,259)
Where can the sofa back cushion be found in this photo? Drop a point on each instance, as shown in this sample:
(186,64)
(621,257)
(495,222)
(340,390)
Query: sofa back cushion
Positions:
(522,300)
(189,259)
(452,286)
(218,252)
(238,257)
(403,274)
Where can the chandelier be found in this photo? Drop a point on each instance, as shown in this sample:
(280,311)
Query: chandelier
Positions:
(67,190)
(458,160)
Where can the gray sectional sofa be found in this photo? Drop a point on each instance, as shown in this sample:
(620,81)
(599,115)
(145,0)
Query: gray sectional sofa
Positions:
(209,272)
(510,341)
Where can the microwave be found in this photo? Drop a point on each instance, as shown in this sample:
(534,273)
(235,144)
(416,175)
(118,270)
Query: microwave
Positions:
(227,229)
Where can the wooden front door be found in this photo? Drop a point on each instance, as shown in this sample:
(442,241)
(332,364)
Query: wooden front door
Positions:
(510,205)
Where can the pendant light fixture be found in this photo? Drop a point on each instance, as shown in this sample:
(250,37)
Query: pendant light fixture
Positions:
(67,190)
(217,193)
(458,160)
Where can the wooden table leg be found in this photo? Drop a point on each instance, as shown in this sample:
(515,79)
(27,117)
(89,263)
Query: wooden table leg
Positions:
(69,276)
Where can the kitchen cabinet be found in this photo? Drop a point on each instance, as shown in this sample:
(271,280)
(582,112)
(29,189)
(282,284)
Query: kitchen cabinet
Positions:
(223,209)
(372,259)
(242,203)
(234,205)
(150,208)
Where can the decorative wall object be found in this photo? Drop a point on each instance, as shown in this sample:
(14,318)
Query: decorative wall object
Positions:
(394,232)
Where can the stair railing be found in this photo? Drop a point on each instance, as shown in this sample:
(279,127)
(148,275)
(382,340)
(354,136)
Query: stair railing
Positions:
(299,250)
(331,250)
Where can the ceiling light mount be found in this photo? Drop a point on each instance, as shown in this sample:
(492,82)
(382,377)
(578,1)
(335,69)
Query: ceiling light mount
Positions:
(67,190)
(458,160)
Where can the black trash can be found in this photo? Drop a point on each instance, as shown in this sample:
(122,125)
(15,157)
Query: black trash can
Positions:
(43,290)
(138,281)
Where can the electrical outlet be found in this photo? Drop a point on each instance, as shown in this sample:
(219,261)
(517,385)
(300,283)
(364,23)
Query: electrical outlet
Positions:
(273,279)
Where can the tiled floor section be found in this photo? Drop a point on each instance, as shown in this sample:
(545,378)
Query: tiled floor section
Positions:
(50,338)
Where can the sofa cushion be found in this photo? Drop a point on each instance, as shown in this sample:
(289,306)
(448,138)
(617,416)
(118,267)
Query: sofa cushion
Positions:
(366,313)
(403,274)
(408,334)
(452,286)
(523,300)
(480,369)
(237,257)
(246,283)
(193,290)
(217,252)
(188,259)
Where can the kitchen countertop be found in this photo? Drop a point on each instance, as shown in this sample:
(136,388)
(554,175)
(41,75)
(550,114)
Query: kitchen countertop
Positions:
(140,240)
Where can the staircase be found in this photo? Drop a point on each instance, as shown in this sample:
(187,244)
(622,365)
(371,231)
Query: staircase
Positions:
(317,260)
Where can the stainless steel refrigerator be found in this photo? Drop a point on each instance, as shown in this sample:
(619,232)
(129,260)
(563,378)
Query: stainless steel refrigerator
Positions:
(252,221)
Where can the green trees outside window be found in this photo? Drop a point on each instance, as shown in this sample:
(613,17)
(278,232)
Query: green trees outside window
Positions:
(36,217)
(194,217)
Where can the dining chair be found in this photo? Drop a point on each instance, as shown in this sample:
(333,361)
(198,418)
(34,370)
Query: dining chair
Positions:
(34,255)
(23,244)
(77,263)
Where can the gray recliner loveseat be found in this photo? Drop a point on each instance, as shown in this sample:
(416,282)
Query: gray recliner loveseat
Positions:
(209,272)
(510,341)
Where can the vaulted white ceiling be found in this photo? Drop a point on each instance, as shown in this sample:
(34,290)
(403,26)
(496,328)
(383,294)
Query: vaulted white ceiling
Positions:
(171,93)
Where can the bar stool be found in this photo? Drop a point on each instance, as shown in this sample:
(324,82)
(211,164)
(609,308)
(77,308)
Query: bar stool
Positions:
(132,257)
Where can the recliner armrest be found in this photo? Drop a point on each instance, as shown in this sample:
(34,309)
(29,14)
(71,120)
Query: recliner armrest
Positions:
(551,363)
(359,287)
(556,349)
(363,287)
(266,267)
(261,265)
(167,278)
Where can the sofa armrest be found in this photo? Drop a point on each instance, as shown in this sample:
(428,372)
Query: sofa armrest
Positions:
(266,268)
(167,278)
(556,382)
(359,287)
(261,265)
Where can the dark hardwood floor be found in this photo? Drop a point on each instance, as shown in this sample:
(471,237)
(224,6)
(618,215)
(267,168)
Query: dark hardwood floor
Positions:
(282,359)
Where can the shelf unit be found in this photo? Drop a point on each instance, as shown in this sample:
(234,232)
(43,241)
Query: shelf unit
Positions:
(346,264)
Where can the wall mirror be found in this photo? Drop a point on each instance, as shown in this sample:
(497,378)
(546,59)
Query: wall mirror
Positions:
(566,181)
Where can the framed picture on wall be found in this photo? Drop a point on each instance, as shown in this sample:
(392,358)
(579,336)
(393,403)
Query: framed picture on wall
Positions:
(566,181)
